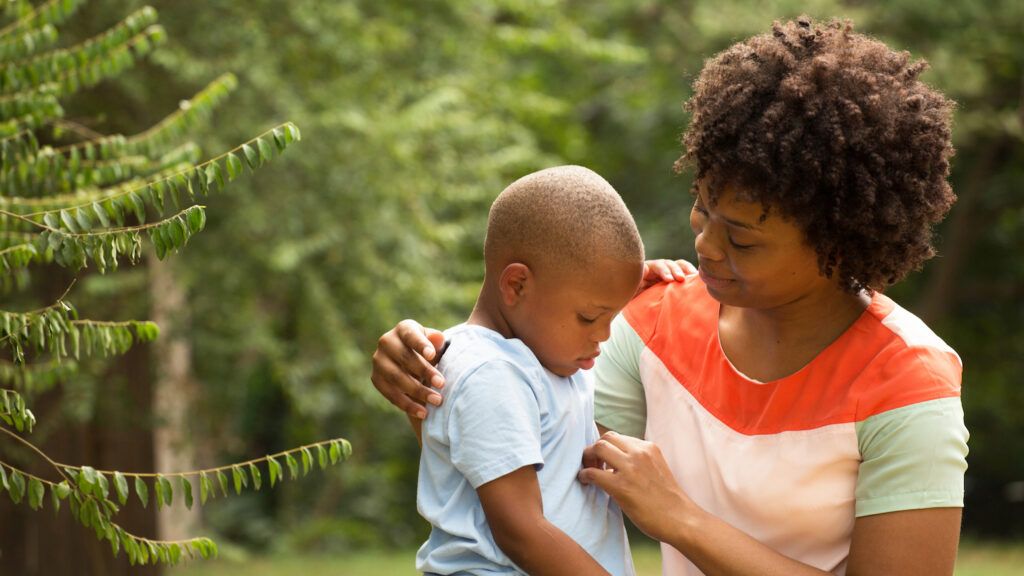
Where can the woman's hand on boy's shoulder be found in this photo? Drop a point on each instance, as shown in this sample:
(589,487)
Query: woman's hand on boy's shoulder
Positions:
(403,369)
(658,271)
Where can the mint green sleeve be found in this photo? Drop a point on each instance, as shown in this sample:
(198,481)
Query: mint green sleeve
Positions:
(912,457)
(619,401)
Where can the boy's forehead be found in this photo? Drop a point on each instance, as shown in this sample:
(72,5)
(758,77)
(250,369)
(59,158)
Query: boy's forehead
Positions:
(597,284)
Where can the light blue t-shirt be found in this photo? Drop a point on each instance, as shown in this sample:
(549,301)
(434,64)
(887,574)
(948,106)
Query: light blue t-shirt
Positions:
(502,411)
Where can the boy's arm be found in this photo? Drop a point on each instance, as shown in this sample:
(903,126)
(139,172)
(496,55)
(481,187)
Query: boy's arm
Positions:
(515,514)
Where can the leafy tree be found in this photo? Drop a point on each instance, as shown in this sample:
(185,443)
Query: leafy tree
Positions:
(86,201)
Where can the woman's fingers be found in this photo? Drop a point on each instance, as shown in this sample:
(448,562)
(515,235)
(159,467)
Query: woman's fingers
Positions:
(658,271)
(682,268)
(608,451)
(401,373)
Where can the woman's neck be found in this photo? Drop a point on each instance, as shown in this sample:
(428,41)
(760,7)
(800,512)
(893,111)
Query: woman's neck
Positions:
(770,343)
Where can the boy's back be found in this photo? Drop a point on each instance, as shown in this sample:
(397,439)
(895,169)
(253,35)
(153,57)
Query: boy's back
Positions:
(504,411)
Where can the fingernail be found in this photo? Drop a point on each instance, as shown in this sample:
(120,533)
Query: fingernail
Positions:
(421,414)
(428,352)
(437,381)
(434,399)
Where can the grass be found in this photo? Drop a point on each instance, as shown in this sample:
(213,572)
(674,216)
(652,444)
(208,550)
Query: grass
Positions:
(976,559)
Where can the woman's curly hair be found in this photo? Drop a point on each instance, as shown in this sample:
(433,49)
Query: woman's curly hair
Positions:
(834,131)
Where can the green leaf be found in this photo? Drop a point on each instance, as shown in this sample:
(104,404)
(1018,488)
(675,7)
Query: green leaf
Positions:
(17,489)
(234,166)
(335,452)
(279,140)
(252,158)
(215,175)
(238,476)
(68,221)
(293,466)
(158,490)
(82,218)
(54,500)
(102,488)
(101,215)
(266,152)
(121,487)
(307,461)
(142,490)
(291,133)
(138,206)
(196,219)
(36,491)
(62,490)
(275,471)
(205,487)
(254,473)
(3,479)
(86,479)
(321,456)
(186,491)
(165,487)
(176,233)
(223,480)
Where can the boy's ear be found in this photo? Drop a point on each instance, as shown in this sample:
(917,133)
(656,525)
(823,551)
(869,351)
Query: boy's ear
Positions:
(514,282)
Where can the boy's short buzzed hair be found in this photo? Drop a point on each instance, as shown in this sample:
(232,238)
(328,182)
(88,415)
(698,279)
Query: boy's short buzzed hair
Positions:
(566,216)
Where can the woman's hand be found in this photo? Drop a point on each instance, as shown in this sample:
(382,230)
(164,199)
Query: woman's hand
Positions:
(657,271)
(635,474)
(402,369)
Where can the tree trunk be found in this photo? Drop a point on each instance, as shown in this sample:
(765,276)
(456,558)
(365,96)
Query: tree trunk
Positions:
(173,394)
(961,234)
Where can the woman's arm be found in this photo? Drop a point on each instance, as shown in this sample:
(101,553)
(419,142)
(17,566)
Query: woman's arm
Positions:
(403,364)
(515,514)
(634,472)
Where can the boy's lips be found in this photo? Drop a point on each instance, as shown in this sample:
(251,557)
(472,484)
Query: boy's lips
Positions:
(588,362)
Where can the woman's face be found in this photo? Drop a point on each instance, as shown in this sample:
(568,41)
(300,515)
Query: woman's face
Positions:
(749,262)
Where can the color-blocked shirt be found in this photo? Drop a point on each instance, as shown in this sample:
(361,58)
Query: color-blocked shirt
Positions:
(503,411)
(872,424)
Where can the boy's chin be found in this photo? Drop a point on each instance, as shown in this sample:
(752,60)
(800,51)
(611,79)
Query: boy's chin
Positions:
(564,371)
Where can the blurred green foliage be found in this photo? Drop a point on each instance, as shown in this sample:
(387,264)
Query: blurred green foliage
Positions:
(416,114)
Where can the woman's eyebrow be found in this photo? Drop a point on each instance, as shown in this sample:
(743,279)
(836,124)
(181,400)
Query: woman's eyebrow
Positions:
(739,224)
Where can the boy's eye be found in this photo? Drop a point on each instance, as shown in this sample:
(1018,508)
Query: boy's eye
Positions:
(585,320)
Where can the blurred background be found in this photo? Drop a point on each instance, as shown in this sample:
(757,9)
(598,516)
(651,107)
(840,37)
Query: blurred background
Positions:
(415,114)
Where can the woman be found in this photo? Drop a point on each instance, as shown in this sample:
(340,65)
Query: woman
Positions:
(797,421)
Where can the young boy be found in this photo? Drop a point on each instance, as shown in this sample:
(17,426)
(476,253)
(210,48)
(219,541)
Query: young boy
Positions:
(498,467)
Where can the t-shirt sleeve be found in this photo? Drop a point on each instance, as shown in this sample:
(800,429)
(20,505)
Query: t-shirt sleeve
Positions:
(912,457)
(494,424)
(619,400)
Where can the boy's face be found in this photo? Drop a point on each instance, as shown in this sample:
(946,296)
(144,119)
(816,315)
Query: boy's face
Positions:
(564,315)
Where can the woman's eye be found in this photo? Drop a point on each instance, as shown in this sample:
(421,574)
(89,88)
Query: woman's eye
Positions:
(585,320)
(739,246)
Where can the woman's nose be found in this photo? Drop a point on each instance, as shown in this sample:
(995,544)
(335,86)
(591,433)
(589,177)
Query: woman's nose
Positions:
(707,245)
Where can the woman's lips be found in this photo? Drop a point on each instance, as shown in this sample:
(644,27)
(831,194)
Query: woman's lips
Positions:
(713,281)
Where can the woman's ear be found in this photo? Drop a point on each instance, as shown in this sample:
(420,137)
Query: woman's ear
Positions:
(515,282)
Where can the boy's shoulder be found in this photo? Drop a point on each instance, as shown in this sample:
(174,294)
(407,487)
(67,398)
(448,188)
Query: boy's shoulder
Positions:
(471,348)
